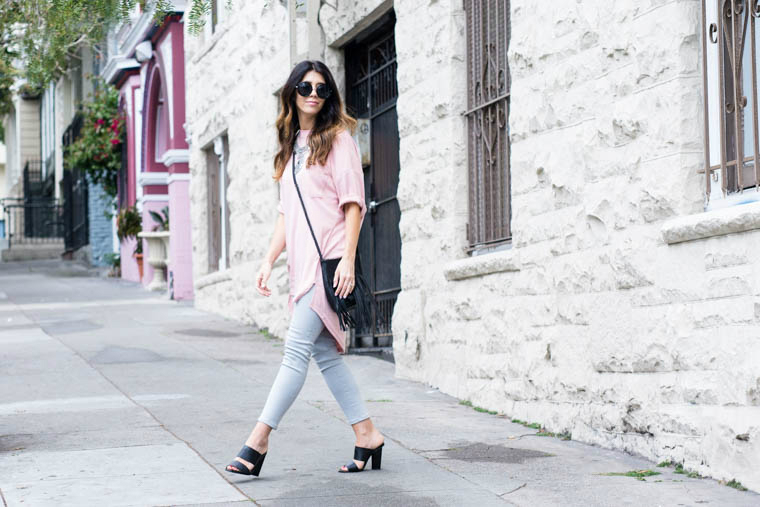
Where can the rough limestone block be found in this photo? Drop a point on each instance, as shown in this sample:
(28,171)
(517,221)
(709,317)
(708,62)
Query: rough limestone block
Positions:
(712,223)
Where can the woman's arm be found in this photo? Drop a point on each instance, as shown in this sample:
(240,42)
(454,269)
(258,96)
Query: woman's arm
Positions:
(344,274)
(277,243)
(276,246)
(353,227)
(348,178)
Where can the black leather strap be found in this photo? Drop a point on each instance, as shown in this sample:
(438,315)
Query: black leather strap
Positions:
(362,453)
(316,243)
(351,467)
(250,455)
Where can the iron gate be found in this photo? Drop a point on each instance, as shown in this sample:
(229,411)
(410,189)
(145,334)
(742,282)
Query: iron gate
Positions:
(75,195)
(75,219)
(34,221)
(37,216)
(371,94)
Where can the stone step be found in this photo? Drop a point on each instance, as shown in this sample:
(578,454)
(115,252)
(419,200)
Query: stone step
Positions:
(33,251)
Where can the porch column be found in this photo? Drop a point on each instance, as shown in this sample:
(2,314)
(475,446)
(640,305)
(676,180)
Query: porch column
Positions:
(180,271)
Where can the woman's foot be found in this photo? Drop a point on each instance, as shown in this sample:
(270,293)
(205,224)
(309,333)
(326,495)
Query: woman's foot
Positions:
(373,440)
(258,445)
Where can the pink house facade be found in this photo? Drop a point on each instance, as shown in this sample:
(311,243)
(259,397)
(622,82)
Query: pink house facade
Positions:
(146,64)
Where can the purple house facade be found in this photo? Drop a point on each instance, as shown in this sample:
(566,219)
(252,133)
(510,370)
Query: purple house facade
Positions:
(148,68)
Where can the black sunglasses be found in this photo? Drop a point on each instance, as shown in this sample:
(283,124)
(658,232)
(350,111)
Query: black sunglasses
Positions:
(304,89)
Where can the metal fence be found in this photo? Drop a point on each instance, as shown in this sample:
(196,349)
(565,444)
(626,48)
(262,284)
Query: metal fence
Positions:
(32,222)
(729,60)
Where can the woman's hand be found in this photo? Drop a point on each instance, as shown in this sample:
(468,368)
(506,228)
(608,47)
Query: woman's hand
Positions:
(276,246)
(262,277)
(344,280)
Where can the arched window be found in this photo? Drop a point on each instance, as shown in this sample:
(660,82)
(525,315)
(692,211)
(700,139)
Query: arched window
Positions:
(161,131)
(123,178)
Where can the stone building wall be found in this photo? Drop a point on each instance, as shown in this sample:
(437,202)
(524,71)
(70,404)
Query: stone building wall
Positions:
(232,77)
(591,323)
(594,321)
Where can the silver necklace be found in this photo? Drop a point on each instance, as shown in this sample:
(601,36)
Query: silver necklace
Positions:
(300,154)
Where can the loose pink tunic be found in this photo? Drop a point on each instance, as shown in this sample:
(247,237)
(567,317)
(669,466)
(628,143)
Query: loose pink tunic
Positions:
(325,189)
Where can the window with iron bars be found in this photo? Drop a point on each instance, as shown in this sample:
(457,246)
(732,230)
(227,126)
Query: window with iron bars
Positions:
(487,122)
(217,155)
(729,60)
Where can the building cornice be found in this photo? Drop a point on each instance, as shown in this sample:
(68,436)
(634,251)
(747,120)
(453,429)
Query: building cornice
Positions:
(179,177)
(143,29)
(139,32)
(116,66)
(152,178)
(171,157)
(152,198)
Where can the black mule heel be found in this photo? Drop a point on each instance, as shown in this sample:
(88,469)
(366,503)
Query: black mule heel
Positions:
(364,454)
(376,459)
(251,456)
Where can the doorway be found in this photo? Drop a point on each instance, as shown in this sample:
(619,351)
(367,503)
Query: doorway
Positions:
(371,92)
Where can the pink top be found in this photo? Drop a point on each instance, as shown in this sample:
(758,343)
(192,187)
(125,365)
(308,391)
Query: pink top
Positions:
(325,189)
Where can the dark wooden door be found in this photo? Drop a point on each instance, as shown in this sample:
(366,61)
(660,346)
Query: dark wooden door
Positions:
(371,95)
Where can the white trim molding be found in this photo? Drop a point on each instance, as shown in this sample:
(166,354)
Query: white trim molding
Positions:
(178,177)
(166,53)
(171,157)
(117,64)
(153,198)
(152,178)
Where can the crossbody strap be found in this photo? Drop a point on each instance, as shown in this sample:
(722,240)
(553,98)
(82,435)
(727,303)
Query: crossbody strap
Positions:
(316,243)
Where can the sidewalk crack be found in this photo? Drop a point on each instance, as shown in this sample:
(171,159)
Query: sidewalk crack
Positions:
(518,487)
(432,461)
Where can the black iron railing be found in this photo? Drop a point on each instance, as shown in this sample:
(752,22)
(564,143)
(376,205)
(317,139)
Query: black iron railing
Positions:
(32,222)
(75,210)
(75,194)
(33,181)
(48,183)
(72,131)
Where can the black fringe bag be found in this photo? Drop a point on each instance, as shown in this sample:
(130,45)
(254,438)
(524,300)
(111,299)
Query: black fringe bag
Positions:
(360,300)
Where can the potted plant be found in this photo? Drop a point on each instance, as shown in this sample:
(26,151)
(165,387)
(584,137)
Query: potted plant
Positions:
(114,260)
(161,218)
(158,247)
(129,225)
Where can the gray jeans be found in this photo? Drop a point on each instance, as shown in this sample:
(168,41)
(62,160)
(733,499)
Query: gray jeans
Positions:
(307,336)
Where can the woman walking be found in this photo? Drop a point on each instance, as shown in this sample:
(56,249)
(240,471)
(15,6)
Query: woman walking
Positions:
(316,146)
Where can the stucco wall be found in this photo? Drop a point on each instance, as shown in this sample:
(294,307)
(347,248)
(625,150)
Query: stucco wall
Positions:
(590,323)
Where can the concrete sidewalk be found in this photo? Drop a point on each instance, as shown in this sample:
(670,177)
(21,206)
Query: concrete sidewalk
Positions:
(110,395)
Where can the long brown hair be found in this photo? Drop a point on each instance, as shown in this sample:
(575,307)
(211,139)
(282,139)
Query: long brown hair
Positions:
(330,120)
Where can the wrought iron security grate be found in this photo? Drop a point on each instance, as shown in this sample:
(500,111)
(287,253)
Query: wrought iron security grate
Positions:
(487,125)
